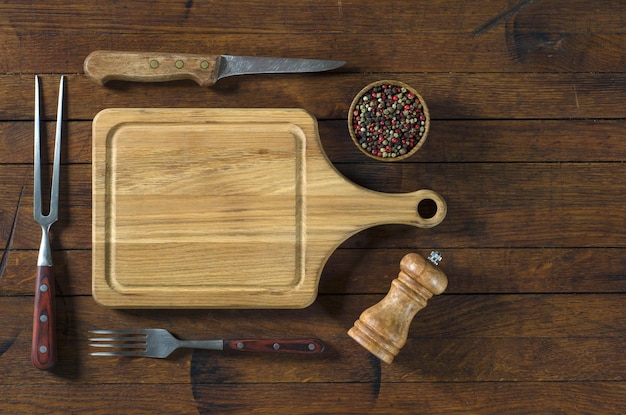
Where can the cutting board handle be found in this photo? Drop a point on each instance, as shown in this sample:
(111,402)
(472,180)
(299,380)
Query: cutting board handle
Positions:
(431,208)
(365,208)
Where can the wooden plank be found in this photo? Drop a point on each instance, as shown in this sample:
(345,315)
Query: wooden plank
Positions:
(476,141)
(528,205)
(483,270)
(506,48)
(79,399)
(436,398)
(452,141)
(72,272)
(489,205)
(489,398)
(359,271)
(370,271)
(16,142)
(449,95)
(452,360)
(455,338)
(303,16)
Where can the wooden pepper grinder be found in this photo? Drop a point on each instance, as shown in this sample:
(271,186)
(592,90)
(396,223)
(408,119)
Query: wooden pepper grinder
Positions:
(383,328)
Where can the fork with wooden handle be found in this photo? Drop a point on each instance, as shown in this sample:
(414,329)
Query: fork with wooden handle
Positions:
(43,353)
(160,343)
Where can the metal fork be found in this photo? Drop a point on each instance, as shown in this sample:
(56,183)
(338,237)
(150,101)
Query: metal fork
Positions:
(43,353)
(160,343)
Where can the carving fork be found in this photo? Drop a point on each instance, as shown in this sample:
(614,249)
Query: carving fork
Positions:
(43,353)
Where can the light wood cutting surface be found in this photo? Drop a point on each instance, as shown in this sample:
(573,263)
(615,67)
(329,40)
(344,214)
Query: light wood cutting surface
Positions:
(223,208)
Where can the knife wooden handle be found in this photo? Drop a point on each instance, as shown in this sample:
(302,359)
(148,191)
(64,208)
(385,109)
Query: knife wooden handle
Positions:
(302,346)
(103,66)
(44,350)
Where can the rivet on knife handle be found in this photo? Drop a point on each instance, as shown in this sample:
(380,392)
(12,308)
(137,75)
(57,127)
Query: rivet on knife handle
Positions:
(104,66)
(304,346)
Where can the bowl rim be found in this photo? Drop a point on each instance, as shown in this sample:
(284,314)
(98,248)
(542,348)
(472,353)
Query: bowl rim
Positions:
(372,85)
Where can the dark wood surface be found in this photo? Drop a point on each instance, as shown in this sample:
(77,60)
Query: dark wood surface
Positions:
(526,145)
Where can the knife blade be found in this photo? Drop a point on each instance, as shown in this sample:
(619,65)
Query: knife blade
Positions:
(103,66)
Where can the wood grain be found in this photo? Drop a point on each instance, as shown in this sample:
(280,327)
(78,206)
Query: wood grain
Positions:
(104,66)
(44,339)
(471,338)
(460,398)
(504,48)
(211,183)
(510,96)
(526,145)
(369,270)
(491,141)
(527,204)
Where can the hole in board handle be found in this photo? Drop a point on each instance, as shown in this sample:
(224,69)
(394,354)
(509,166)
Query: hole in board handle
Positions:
(427,208)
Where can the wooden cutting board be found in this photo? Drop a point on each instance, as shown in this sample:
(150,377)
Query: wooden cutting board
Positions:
(223,208)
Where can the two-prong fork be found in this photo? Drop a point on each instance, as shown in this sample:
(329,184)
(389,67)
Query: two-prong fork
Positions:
(160,343)
(43,353)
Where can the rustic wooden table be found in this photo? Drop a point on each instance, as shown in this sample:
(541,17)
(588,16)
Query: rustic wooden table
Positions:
(526,145)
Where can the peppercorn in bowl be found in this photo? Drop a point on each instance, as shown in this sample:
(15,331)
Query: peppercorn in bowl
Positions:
(388,120)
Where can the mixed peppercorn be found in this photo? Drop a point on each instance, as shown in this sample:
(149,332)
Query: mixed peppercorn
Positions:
(388,121)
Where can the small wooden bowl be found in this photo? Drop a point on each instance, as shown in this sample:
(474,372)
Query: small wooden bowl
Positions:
(373,145)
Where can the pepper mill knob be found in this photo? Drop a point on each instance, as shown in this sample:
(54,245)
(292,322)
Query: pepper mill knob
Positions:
(383,328)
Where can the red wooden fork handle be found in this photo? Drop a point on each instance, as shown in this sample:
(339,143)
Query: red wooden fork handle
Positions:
(44,351)
(303,346)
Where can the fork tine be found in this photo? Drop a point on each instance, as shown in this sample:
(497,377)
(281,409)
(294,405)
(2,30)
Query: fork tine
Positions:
(54,190)
(54,193)
(120,339)
(142,332)
(123,339)
(118,345)
(37,145)
(131,343)
(142,339)
(130,354)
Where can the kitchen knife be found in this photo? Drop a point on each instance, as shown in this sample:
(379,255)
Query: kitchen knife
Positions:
(103,66)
